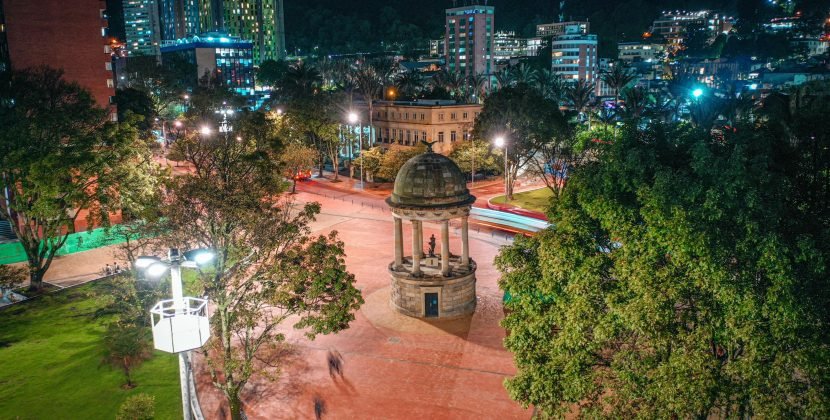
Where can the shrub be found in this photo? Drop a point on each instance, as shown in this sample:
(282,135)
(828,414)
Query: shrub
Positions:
(137,407)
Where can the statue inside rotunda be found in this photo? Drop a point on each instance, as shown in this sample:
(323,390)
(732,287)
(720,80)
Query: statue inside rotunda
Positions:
(431,189)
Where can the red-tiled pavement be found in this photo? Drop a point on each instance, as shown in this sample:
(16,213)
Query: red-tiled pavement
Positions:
(395,366)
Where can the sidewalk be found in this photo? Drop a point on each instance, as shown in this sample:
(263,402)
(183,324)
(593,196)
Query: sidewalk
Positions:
(80,267)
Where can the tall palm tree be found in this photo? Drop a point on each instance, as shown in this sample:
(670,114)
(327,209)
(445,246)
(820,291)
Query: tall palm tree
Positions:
(370,84)
(580,95)
(504,78)
(410,84)
(636,102)
(301,79)
(617,78)
(452,82)
(549,84)
(478,86)
(523,74)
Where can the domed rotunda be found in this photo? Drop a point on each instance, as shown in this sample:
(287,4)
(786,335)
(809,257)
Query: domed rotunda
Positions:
(431,188)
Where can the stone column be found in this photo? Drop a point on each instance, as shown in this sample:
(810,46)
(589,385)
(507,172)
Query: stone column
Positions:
(465,242)
(416,247)
(445,248)
(420,247)
(398,243)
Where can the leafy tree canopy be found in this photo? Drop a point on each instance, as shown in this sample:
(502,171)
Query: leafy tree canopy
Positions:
(686,276)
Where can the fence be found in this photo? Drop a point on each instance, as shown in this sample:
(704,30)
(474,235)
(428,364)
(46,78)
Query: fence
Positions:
(12,252)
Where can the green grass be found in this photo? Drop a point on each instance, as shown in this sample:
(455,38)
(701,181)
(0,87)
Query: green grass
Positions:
(538,200)
(50,363)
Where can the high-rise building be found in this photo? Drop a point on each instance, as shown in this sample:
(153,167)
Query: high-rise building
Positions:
(63,34)
(559,28)
(574,55)
(141,27)
(179,18)
(260,21)
(469,39)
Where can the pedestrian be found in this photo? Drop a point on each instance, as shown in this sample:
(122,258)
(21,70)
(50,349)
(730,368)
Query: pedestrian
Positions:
(108,270)
(319,407)
(117,268)
(338,363)
(332,363)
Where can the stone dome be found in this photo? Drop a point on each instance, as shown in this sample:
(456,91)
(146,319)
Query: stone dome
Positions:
(430,180)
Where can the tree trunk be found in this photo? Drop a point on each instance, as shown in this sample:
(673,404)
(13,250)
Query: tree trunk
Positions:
(294,186)
(127,373)
(234,405)
(335,163)
(35,279)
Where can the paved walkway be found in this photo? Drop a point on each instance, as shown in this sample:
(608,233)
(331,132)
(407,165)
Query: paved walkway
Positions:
(80,267)
(395,366)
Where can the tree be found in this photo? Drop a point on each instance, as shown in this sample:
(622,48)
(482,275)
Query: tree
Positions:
(550,84)
(685,277)
(580,95)
(59,157)
(370,161)
(137,102)
(271,72)
(475,155)
(301,80)
(394,158)
(410,84)
(636,103)
(269,269)
(525,119)
(369,83)
(297,159)
(127,346)
(617,78)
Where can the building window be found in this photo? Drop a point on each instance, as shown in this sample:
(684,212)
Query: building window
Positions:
(452,136)
(110,83)
(423,136)
(453,116)
(408,136)
(464,116)
(440,137)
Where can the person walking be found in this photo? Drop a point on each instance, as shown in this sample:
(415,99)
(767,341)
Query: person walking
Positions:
(108,270)
(319,407)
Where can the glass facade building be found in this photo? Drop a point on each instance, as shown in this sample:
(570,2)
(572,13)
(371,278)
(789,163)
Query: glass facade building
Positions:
(217,56)
(141,27)
(260,21)
(179,18)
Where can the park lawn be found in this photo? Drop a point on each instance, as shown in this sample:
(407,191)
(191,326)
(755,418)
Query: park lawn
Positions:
(50,363)
(537,200)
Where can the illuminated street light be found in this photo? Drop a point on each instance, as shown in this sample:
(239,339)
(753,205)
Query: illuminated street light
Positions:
(180,324)
(697,93)
(205,130)
(178,124)
(355,119)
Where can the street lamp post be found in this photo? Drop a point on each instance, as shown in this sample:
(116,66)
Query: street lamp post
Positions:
(354,119)
(180,324)
(501,143)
